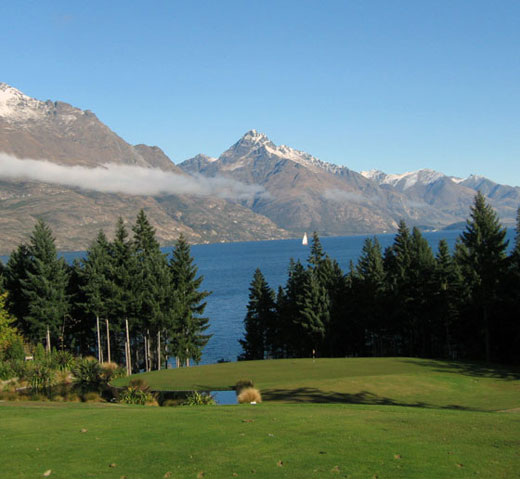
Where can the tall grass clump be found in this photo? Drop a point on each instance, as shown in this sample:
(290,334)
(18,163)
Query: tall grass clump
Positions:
(137,392)
(199,399)
(242,384)
(249,395)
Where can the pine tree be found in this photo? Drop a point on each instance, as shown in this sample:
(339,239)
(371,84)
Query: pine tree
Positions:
(289,311)
(259,319)
(45,287)
(446,301)
(188,325)
(481,254)
(368,285)
(124,303)
(94,275)
(314,317)
(154,289)
(16,272)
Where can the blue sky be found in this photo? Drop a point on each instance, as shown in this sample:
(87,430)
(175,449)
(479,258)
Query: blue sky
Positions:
(394,85)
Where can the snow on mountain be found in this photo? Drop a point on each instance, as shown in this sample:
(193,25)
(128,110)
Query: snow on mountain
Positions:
(406,180)
(254,141)
(15,106)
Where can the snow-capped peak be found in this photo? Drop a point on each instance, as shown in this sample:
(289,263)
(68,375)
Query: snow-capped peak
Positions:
(14,105)
(254,136)
(404,180)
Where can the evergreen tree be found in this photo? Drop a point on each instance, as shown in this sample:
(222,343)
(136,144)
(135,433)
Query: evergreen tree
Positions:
(16,272)
(94,276)
(481,254)
(124,302)
(446,302)
(155,286)
(289,309)
(259,319)
(314,317)
(188,326)
(368,284)
(45,287)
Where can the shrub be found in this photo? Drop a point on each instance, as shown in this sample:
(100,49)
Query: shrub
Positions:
(134,395)
(14,350)
(20,368)
(199,399)
(243,384)
(137,392)
(40,376)
(63,360)
(6,371)
(249,395)
(112,371)
(88,371)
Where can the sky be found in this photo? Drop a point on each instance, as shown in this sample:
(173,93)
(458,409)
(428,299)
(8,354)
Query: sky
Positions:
(392,85)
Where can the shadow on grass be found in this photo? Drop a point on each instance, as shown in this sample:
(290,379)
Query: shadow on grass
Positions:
(470,368)
(313,395)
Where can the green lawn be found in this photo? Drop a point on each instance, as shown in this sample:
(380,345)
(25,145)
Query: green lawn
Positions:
(387,381)
(348,418)
(310,440)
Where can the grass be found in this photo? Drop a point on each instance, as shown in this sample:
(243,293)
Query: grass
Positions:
(385,381)
(298,433)
(310,440)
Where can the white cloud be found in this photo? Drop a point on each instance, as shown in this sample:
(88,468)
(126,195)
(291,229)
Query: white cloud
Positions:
(131,180)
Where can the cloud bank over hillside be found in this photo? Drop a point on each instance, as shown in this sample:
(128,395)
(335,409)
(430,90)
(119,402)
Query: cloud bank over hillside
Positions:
(130,180)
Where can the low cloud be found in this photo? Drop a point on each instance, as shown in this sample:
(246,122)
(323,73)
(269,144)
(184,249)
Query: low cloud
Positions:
(341,196)
(131,180)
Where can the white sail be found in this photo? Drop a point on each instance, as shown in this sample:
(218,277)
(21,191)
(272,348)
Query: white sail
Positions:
(305,241)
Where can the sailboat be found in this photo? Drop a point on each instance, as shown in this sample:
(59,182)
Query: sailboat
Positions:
(305,240)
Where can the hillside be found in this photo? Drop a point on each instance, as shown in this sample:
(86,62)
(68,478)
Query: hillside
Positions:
(58,133)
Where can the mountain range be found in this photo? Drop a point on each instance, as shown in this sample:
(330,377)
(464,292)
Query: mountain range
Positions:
(64,165)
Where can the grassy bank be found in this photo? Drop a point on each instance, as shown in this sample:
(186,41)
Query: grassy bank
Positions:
(263,441)
(386,381)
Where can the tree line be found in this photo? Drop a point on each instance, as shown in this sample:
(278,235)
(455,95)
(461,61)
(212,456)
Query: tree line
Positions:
(403,301)
(124,301)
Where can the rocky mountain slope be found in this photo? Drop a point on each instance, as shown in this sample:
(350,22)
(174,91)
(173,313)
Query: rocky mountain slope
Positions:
(62,134)
(278,191)
(306,193)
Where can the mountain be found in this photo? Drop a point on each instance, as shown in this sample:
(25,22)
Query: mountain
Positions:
(449,194)
(306,193)
(62,134)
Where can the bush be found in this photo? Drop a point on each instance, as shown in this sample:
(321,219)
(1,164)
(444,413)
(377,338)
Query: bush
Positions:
(14,351)
(40,376)
(88,371)
(6,371)
(112,371)
(199,399)
(249,395)
(63,360)
(20,368)
(243,384)
(137,392)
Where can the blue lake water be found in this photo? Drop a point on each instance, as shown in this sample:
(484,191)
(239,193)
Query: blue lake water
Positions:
(228,270)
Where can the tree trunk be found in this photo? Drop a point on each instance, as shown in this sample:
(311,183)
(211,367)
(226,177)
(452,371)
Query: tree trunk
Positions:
(48,340)
(108,341)
(158,350)
(100,351)
(129,356)
(146,353)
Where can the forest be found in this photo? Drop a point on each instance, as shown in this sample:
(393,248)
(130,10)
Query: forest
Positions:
(404,301)
(125,301)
